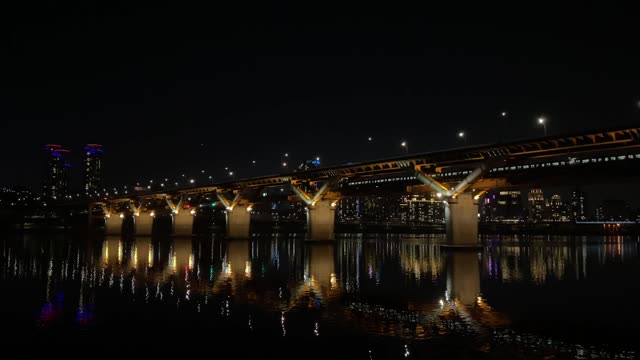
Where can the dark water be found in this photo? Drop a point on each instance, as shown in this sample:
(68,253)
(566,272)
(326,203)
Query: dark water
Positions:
(361,297)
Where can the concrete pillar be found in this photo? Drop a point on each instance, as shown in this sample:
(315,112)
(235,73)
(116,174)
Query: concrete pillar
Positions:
(182,223)
(463,281)
(113,224)
(321,220)
(461,215)
(238,222)
(143,224)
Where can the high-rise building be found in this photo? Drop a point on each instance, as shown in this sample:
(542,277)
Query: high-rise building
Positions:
(421,209)
(509,206)
(558,210)
(55,184)
(614,210)
(536,205)
(578,205)
(92,158)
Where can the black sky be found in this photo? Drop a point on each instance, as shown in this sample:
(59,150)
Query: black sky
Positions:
(172,88)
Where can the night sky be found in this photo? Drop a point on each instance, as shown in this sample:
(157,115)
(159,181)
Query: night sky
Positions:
(172,88)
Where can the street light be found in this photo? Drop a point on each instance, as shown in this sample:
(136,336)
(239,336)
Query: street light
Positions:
(462,136)
(542,121)
(405,146)
(370,138)
(503,114)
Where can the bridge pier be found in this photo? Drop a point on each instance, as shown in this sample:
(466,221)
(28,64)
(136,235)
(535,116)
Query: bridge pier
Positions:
(238,222)
(113,224)
(182,222)
(461,216)
(143,223)
(321,218)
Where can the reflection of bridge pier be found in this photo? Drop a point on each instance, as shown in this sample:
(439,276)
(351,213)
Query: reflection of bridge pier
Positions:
(321,264)
(238,262)
(463,280)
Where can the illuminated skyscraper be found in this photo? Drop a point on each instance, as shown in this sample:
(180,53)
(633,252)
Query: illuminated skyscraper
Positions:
(578,205)
(536,204)
(55,184)
(92,158)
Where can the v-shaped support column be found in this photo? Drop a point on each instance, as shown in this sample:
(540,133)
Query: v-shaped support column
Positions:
(238,216)
(321,213)
(461,208)
(143,222)
(182,218)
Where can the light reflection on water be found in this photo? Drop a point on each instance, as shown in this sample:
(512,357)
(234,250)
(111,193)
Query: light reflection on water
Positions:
(405,291)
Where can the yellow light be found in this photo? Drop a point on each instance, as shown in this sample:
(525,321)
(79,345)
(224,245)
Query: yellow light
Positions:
(249,208)
(192,212)
(333,280)
(152,214)
(247,269)
(137,214)
(135,256)
(333,204)
(121,216)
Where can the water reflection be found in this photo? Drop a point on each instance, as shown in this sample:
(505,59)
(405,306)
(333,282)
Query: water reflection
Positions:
(393,287)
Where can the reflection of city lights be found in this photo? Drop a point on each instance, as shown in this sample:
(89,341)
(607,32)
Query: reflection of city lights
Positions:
(334,281)
(106,252)
(441,303)
(150,256)
(190,262)
(247,269)
(135,256)
(119,251)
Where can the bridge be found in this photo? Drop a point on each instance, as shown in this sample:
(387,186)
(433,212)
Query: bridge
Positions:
(459,177)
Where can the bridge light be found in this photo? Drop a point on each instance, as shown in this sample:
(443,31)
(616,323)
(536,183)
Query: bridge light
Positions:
(192,181)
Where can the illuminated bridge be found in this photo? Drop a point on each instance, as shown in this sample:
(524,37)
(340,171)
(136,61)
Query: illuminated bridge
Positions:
(459,177)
